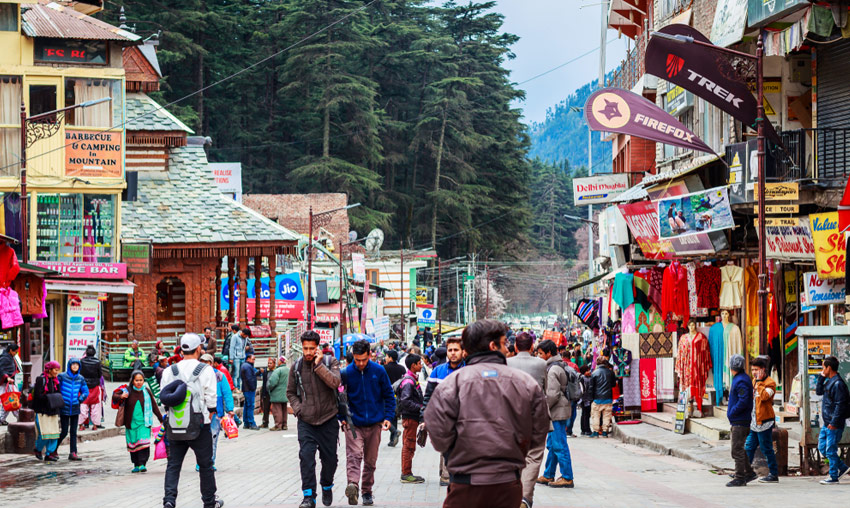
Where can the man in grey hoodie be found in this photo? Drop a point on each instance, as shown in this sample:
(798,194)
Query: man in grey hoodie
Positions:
(237,353)
(560,410)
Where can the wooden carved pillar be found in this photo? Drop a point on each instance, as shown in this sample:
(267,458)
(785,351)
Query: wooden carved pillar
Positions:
(218,292)
(231,289)
(243,291)
(258,288)
(272,292)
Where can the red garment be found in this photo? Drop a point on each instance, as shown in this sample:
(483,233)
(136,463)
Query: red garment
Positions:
(9,267)
(227,375)
(708,286)
(693,364)
(648,397)
(674,294)
(650,277)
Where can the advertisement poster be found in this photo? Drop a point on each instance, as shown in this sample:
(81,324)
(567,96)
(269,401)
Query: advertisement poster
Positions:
(83,323)
(830,249)
(698,212)
(823,291)
(818,350)
(93,154)
(599,189)
(790,243)
(358,265)
(730,18)
(289,297)
(642,219)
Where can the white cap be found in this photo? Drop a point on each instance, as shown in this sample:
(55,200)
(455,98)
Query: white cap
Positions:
(189,342)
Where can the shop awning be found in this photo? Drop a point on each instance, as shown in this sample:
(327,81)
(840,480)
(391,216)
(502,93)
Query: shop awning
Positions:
(84,286)
(38,270)
(588,281)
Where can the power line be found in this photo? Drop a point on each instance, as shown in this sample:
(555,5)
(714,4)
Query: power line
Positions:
(553,69)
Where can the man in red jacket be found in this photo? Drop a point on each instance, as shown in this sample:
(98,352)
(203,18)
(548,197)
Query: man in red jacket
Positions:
(219,365)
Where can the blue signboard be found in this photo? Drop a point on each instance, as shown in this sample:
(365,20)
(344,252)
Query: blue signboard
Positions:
(287,287)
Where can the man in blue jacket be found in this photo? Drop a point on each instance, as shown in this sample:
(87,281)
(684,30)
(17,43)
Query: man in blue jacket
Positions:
(74,391)
(223,405)
(372,407)
(248,375)
(740,414)
(835,408)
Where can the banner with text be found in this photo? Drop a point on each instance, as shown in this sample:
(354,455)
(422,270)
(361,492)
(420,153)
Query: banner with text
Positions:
(599,189)
(83,323)
(642,219)
(830,249)
(93,154)
(694,213)
(823,291)
(790,243)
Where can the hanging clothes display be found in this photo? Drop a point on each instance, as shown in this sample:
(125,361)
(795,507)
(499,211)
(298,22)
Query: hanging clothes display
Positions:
(731,287)
(693,363)
(628,321)
(656,345)
(588,311)
(643,289)
(693,305)
(675,292)
(751,284)
(719,361)
(623,293)
(665,382)
(622,360)
(648,397)
(12,208)
(631,387)
(9,267)
(708,286)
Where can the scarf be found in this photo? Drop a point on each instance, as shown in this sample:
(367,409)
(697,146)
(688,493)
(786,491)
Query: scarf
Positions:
(47,378)
(146,406)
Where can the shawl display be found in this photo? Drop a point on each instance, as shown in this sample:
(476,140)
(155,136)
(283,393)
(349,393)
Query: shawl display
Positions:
(656,345)
(631,387)
(629,323)
(648,383)
(588,311)
(665,382)
(693,362)
(631,341)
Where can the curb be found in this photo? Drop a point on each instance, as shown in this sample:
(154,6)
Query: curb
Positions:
(662,448)
(97,435)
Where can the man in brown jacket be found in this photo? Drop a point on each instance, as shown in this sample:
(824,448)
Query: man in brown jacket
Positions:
(485,438)
(312,393)
(761,426)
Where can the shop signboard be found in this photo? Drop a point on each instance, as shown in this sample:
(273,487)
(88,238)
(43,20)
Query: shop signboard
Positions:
(823,291)
(677,100)
(694,213)
(642,219)
(762,12)
(730,19)
(599,188)
(830,248)
(358,265)
(77,270)
(137,257)
(289,297)
(326,335)
(83,327)
(228,178)
(382,328)
(790,243)
(425,317)
(778,191)
(97,154)
(421,295)
(327,313)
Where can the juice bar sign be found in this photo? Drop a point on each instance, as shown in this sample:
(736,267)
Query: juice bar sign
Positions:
(93,154)
(86,270)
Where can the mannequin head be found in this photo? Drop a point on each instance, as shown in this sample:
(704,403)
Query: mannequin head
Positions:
(692,327)
(724,316)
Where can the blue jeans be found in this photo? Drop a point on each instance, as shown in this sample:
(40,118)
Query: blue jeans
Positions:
(828,447)
(572,418)
(559,452)
(248,410)
(763,440)
(237,367)
(215,429)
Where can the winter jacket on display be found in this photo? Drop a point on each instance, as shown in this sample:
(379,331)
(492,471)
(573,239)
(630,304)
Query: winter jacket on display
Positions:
(410,400)
(224,395)
(249,377)
(835,404)
(556,383)
(370,395)
(315,400)
(740,408)
(439,373)
(92,371)
(74,389)
(485,418)
(763,392)
(602,383)
(277,384)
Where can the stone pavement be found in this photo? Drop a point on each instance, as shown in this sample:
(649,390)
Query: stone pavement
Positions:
(260,469)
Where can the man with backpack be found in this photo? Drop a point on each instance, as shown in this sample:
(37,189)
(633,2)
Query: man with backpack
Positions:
(372,407)
(189,392)
(312,391)
(559,377)
(410,406)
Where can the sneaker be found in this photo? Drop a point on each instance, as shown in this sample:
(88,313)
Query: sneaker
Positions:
(843,472)
(74,457)
(98,427)
(444,483)
(218,503)
(308,502)
(829,481)
(393,439)
(368,500)
(327,496)
(352,492)
(38,454)
(135,469)
(562,483)
(752,477)
(285,427)
(4,423)
(275,429)
(409,478)
(595,434)
(168,504)
(51,458)
(525,503)
(545,481)
(737,482)
(769,479)
(571,435)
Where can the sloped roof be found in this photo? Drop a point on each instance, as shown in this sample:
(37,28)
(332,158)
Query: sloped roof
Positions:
(183,205)
(144,114)
(149,52)
(55,21)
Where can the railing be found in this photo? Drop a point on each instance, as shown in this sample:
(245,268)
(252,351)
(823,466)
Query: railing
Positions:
(833,154)
(790,163)
(632,68)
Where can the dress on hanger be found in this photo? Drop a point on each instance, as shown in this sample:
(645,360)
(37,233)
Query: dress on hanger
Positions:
(731,287)
(675,292)
(692,364)
(708,286)
(624,292)
(719,361)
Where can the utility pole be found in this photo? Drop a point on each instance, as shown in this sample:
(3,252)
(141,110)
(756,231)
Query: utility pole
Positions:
(439,295)
(487,304)
(403,308)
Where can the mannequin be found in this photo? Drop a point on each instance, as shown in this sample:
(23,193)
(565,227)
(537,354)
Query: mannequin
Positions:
(733,343)
(720,368)
(693,363)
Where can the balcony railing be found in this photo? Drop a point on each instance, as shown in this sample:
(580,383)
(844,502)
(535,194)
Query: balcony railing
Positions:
(790,164)
(632,68)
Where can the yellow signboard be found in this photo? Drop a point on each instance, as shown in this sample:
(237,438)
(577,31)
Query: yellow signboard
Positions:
(830,250)
(780,209)
(779,191)
(779,221)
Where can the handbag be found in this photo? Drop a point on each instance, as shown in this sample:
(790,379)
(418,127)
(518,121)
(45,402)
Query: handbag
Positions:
(422,437)
(119,416)
(10,399)
(231,431)
(160,450)
(55,401)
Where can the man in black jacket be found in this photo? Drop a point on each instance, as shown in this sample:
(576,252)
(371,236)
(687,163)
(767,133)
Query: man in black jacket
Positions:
(411,405)
(395,372)
(249,390)
(8,370)
(835,408)
(602,383)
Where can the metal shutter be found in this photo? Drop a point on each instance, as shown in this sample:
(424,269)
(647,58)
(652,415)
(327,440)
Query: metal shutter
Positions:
(833,110)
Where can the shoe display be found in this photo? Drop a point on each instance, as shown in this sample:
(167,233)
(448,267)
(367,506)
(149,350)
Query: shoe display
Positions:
(829,481)
(368,500)
(769,479)
(308,502)
(327,496)
(409,478)
(74,457)
(737,483)
(562,483)
(352,492)
(544,481)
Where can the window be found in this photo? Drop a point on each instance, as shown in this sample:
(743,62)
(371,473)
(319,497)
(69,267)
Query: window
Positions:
(75,227)
(70,51)
(42,100)
(9,17)
(372,275)
(10,125)
(79,90)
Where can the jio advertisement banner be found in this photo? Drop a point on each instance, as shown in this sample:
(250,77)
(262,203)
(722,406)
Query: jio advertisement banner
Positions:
(83,323)
(289,297)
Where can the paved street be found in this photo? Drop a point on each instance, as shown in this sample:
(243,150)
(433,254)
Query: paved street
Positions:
(261,469)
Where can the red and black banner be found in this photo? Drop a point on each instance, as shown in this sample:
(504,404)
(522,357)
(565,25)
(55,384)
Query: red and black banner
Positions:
(704,72)
(625,112)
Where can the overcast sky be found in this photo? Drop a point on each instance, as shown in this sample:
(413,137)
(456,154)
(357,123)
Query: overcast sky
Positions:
(551,33)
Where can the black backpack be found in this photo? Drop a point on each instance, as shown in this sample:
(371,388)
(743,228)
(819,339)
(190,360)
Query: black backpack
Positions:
(573,391)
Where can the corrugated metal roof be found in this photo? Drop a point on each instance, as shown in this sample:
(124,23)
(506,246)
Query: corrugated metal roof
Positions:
(55,21)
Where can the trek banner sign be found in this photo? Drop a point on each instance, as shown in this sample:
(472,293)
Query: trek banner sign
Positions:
(599,189)
(625,112)
(703,71)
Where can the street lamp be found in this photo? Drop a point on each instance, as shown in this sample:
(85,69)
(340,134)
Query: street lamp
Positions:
(759,61)
(321,219)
